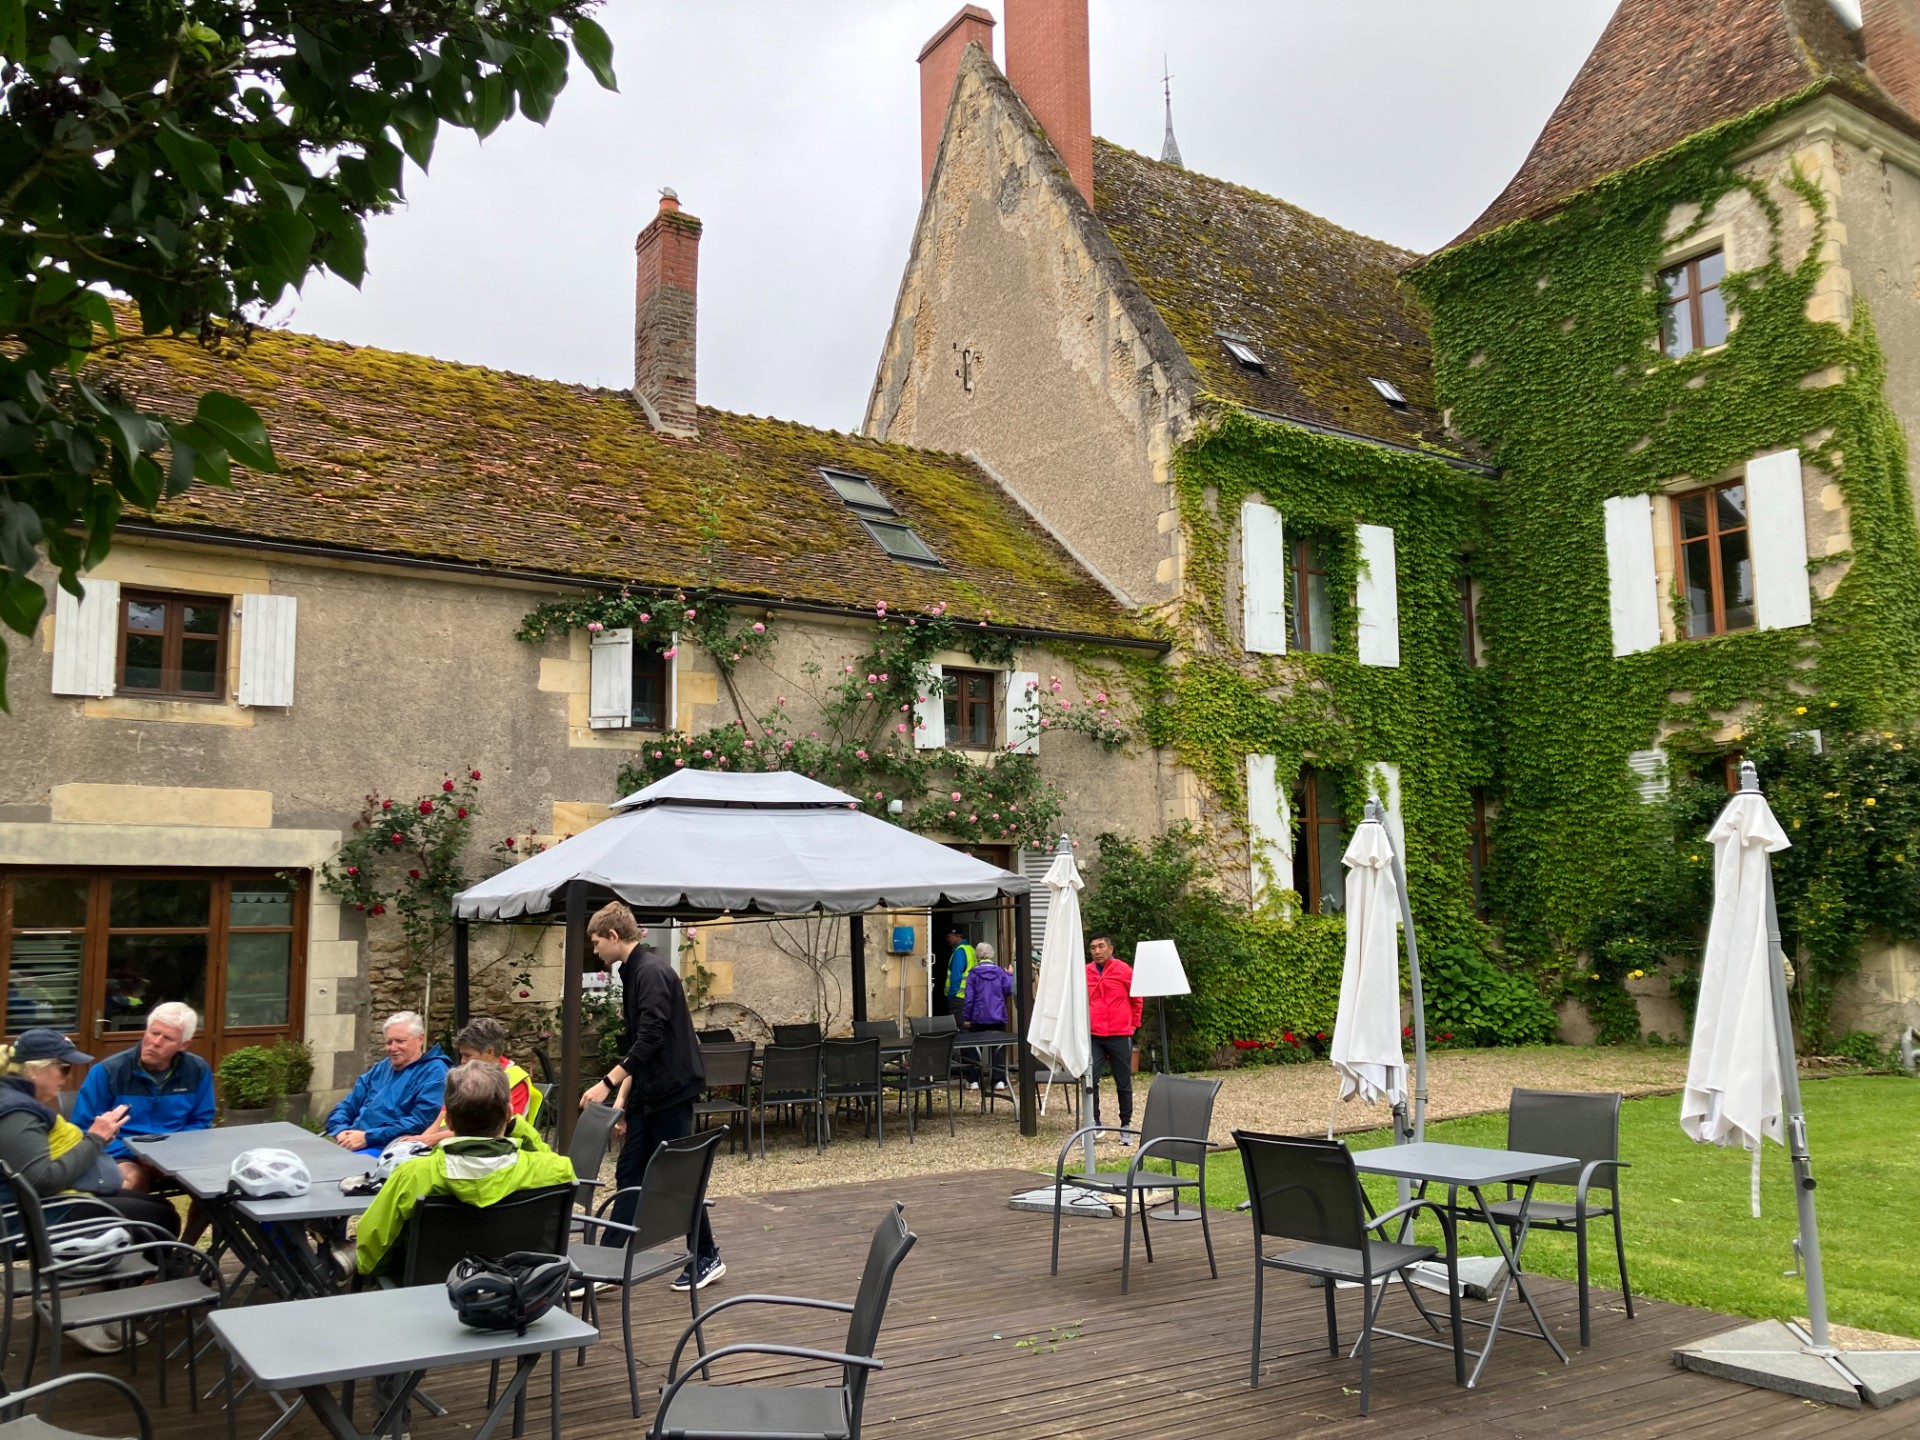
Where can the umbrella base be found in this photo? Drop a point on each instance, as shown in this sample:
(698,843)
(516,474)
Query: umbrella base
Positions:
(1176,1211)
(1774,1356)
(1073,1201)
(1479,1275)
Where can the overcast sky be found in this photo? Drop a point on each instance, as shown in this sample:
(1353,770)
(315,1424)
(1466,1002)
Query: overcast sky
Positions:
(792,131)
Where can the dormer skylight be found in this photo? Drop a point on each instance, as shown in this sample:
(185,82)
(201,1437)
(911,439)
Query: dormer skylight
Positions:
(878,517)
(1243,353)
(1389,392)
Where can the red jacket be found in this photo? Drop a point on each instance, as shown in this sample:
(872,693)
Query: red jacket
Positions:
(1112,1010)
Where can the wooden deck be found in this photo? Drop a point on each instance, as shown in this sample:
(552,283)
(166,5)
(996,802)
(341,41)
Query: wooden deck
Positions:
(980,1341)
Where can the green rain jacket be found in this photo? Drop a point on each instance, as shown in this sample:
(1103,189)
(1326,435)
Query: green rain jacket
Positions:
(479,1171)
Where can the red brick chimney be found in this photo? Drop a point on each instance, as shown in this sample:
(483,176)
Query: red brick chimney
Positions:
(939,63)
(1890,30)
(666,284)
(1047,63)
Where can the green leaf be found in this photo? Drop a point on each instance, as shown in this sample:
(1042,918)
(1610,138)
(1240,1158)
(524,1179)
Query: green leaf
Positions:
(238,428)
(13,45)
(20,536)
(133,435)
(595,49)
(258,166)
(492,104)
(193,159)
(280,244)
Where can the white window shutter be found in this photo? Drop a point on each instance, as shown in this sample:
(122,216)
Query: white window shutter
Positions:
(1383,784)
(1777,535)
(1377,597)
(930,712)
(1269,827)
(1034,864)
(266,649)
(1023,712)
(1650,773)
(1633,593)
(610,681)
(86,638)
(1263,580)
(670,719)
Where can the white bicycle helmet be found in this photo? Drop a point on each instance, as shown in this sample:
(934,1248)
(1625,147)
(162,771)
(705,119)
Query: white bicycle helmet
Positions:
(265,1173)
(396,1153)
(89,1256)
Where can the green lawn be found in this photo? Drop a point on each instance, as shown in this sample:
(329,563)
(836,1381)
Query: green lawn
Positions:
(1691,1235)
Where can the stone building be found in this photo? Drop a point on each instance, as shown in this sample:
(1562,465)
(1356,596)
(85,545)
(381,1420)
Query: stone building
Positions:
(1501,567)
(195,739)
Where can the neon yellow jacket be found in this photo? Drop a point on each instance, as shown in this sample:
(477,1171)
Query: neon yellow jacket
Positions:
(478,1171)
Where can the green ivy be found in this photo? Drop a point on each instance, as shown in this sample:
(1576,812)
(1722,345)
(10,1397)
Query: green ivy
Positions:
(1545,348)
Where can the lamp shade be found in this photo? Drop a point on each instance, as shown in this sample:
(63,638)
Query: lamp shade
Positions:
(1157,970)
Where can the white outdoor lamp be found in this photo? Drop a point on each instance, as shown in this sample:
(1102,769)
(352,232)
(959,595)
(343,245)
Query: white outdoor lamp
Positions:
(1157,972)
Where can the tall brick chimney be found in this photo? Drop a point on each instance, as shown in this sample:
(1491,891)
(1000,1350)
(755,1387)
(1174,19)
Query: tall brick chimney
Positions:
(939,63)
(1047,63)
(1890,30)
(666,284)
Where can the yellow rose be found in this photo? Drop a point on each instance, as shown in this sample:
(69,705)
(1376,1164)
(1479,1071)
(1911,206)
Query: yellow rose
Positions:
(1867,801)
(1799,709)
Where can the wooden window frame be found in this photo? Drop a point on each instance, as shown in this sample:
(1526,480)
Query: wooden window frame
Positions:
(1717,591)
(953,688)
(663,669)
(1308,817)
(1689,270)
(1304,561)
(1479,849)
(215,1037)
(1470,650)
(172,638)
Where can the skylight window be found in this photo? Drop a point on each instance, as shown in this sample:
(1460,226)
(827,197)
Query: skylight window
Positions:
(1389,392)
(1244,354)
(878,517)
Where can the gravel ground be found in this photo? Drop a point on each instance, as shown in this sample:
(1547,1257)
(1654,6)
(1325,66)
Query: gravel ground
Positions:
(1290,1099)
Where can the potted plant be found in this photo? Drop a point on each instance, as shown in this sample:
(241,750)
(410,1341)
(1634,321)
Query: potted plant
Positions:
(296,1067)
(251,1082)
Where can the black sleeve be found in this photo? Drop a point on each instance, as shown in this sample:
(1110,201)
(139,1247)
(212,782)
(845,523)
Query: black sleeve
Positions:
(650,1019)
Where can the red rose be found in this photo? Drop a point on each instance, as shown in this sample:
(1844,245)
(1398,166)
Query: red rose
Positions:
(447,785)
(359,907)
(413,874)
(509,842)
(386,804)
(378,909)
(426,807)
(461,813)
(476,774)
(397,837)
(353,869)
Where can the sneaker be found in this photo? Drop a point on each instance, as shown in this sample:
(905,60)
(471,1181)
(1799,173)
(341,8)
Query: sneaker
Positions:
(973,1084)
(1126,1142)
(100,1339)
(710,1270)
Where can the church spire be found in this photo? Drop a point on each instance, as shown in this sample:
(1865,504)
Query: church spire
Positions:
(1169,148)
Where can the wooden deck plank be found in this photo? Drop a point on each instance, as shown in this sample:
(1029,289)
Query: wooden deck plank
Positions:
(1168,1359)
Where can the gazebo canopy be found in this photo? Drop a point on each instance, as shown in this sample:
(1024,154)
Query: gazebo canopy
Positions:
(708,842)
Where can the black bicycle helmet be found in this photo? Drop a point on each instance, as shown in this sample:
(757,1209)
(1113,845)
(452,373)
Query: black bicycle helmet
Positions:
(508,1293)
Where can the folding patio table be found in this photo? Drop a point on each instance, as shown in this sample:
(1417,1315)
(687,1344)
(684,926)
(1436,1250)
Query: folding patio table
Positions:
(1472,1168)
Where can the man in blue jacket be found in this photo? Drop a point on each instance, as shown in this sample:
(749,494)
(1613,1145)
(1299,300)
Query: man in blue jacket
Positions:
(399,1096)
(165,1087)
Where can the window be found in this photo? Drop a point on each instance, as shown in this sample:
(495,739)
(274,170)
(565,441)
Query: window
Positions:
(1312,619)
(1389,392)
(1479,850)
(92,952)
(879,518)
(652,689)
(1470,647)
(1715,562)
(1722,770)
(969,706)
(1317,872)
(1243,353)
(1693,310)
(173,646)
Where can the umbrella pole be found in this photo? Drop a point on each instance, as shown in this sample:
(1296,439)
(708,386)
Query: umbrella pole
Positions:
(1376,811)
(1796,1125)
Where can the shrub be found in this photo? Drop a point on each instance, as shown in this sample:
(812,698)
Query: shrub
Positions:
(251,1079)
(296,1063)
(1471,998)
(1863,1048)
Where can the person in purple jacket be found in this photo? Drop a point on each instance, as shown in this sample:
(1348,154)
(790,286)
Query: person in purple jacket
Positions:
(988,1006)
(399,1096)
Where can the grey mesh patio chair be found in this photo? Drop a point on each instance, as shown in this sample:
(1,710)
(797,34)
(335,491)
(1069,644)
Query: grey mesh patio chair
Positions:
(592,1133)
(806,1034)
(876,1029)
(16,1425)
(1308,1191)
(933,1024)
(850,1072)
(717,1035)
(929,1072)
(790,1078)
(1174,1128)
(729,1072)
(747,1411)
(660,1241)
(1585,1125)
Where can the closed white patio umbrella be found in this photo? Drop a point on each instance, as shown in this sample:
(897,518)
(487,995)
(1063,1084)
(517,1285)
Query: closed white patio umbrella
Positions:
(1366,1051)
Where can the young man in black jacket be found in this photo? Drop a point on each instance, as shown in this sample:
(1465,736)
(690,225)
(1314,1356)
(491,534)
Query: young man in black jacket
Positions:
(661,1073)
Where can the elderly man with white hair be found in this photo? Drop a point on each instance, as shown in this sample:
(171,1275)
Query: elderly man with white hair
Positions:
(165,1087)
(400,1095)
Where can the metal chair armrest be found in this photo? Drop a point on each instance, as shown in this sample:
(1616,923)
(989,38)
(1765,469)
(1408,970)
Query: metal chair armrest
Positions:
(1586,1180)
(791,1352)
(1444,1215)
(20,1399)
(801,1301)
(1060,1166)
(1141,1154)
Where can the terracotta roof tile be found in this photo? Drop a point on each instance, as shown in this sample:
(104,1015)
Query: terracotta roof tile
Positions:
(398,454)
(1667,69)
(1323,307)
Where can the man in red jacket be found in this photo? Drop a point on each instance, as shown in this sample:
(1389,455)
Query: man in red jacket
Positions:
(1115,1015)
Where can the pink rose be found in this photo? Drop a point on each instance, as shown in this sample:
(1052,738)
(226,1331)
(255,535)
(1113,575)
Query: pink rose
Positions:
(758,628)
(669,652)
(594,627)
(645,618)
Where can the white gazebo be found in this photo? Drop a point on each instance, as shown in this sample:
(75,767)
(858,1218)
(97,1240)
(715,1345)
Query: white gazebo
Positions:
(702,844)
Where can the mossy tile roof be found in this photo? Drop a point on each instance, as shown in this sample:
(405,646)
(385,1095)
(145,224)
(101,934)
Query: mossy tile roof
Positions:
(1323,307)
(396,454)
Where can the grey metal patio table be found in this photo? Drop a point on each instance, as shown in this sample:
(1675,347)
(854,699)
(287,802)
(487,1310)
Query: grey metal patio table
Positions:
(312,1345)
(1471,1168)
(199,1161)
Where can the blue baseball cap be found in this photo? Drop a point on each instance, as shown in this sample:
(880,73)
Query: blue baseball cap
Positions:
(44,1044)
